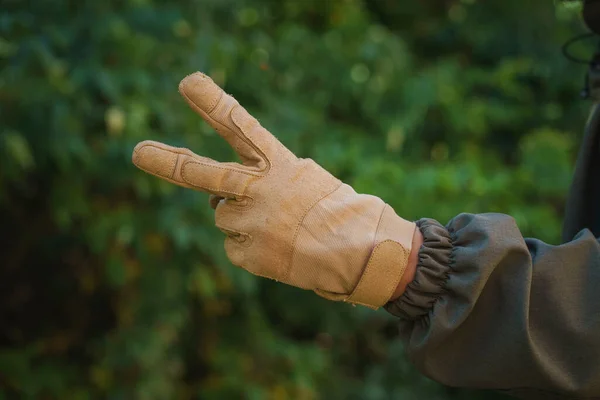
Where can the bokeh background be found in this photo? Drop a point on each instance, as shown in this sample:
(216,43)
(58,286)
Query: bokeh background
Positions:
(115,285)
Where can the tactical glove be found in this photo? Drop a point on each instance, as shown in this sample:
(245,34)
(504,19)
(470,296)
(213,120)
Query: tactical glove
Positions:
(286,218)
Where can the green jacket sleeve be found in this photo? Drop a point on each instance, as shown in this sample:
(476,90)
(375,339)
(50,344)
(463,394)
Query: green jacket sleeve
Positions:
(490,309)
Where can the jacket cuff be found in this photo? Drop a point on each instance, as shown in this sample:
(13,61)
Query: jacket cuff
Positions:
(431,275)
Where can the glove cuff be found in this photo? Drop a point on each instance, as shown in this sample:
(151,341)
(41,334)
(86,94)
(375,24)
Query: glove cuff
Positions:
(387,261)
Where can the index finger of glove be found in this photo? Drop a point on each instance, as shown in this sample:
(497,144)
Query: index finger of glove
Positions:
(184,168)
(254,144)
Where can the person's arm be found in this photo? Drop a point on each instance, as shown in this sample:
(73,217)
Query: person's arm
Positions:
(490,309)
(484,307)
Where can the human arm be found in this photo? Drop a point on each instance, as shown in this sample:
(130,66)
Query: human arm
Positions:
(484,302)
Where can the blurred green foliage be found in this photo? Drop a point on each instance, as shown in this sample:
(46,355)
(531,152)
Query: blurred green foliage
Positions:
(115,285)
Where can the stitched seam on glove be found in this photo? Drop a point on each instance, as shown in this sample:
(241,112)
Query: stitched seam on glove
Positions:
(297,230)
(373,266)
(244,139)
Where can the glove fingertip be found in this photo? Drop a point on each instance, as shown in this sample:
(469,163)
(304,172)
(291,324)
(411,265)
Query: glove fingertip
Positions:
(154,158)
(201,91)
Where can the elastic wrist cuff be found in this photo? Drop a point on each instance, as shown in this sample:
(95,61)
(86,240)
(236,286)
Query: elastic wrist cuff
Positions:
(433,268)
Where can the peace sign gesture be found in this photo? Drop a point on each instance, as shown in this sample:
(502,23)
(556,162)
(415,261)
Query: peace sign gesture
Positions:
(285,218)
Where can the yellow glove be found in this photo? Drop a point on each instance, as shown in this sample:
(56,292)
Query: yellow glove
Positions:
(286,218)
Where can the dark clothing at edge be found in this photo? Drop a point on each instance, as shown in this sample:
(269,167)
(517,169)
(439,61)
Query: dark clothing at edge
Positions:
(490,309)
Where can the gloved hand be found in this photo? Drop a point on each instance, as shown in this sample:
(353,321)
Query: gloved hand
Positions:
(286,218)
